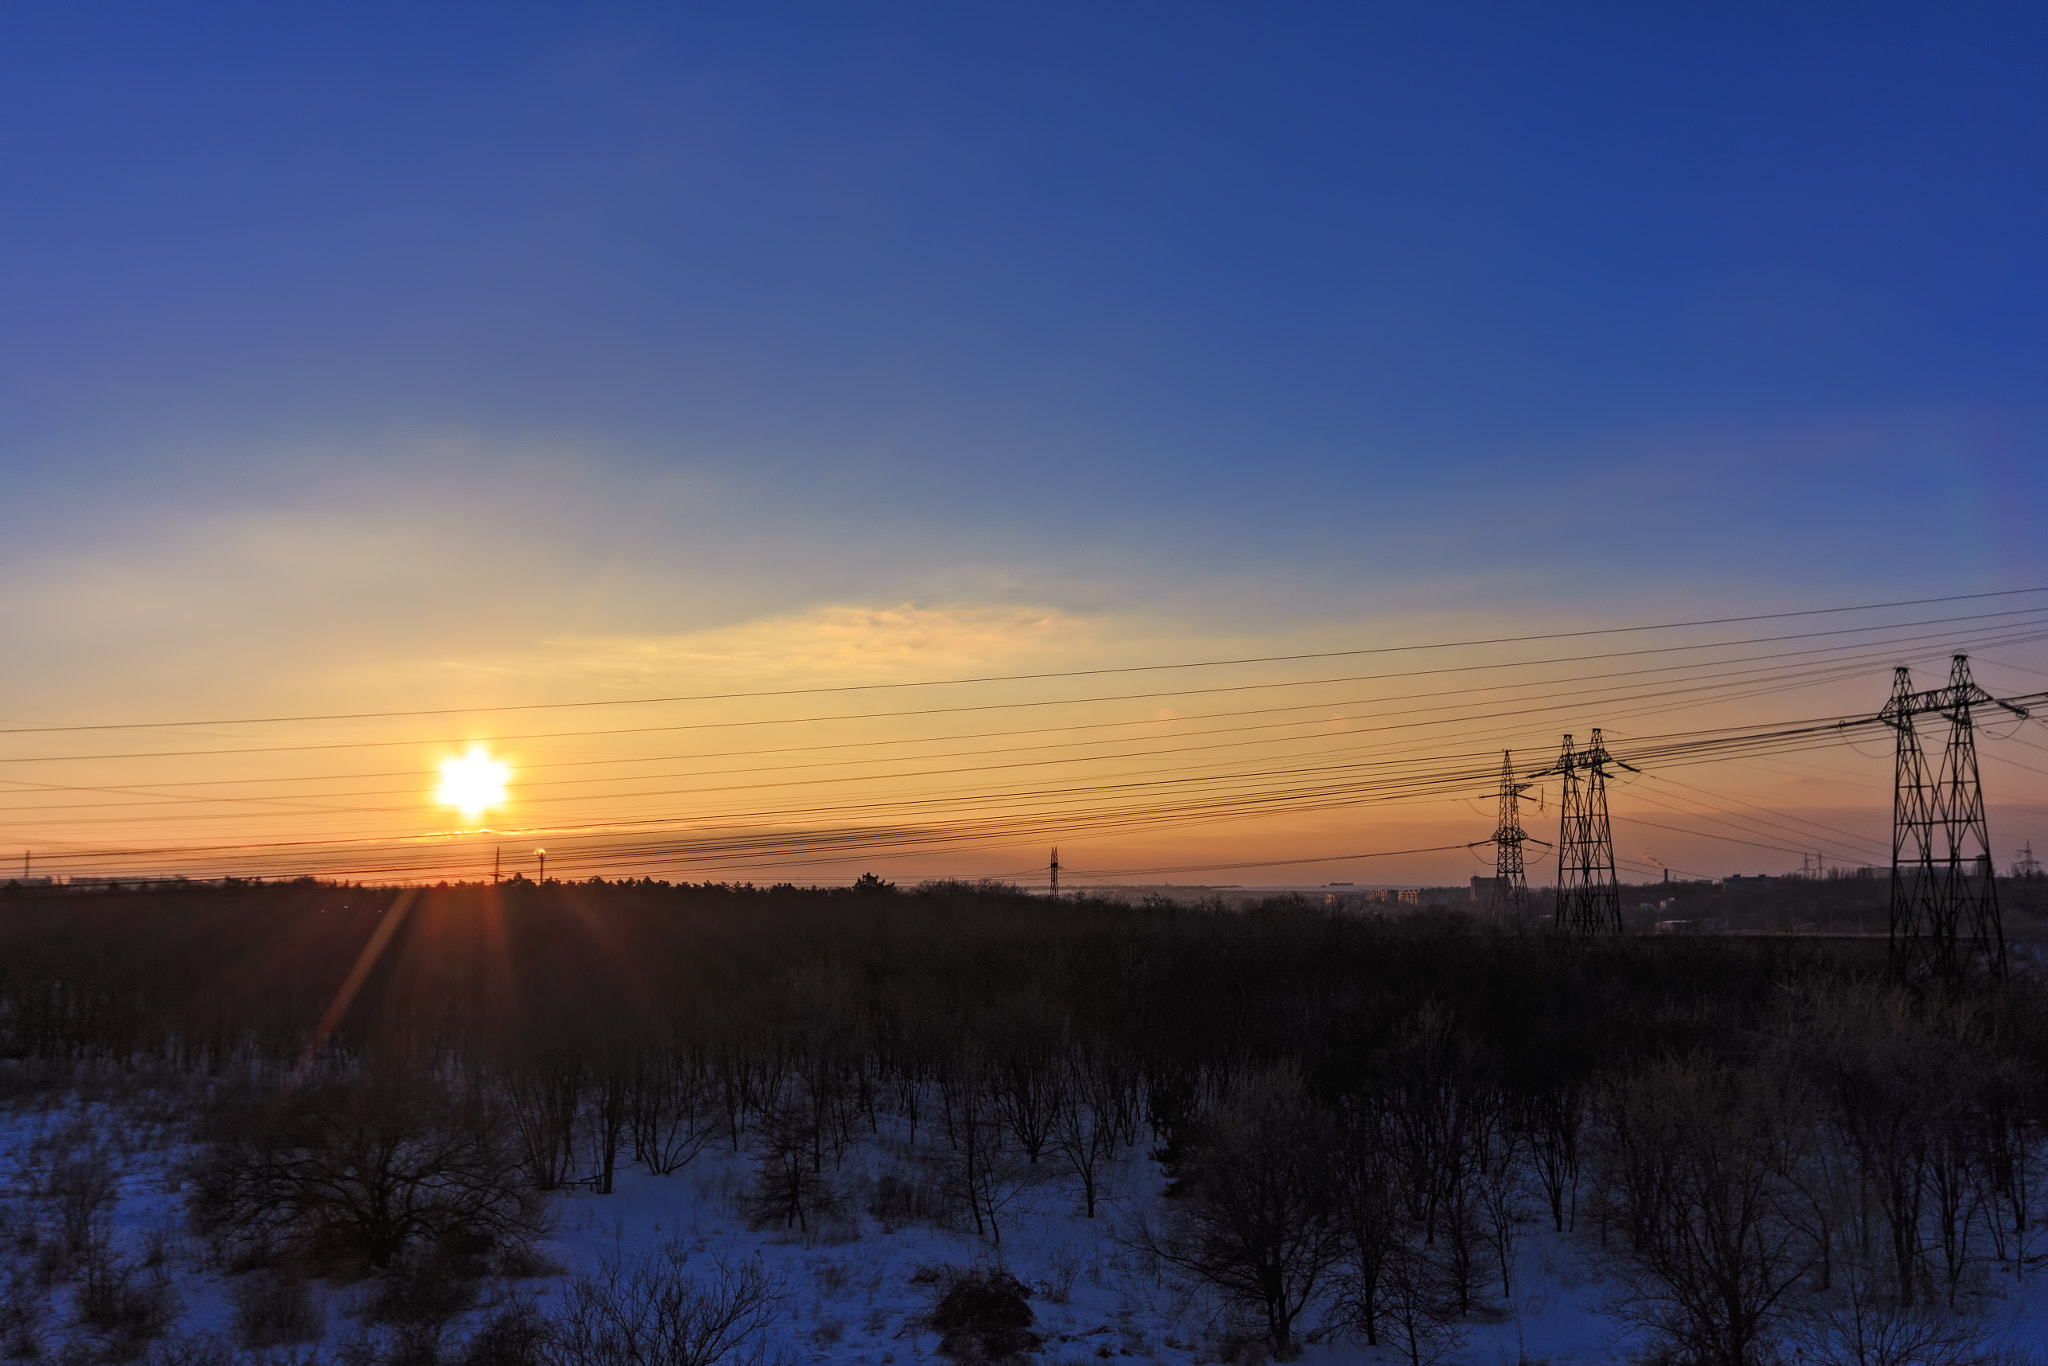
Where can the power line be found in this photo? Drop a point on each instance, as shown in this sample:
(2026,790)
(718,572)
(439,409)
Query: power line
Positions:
(1575,694)
(1019,678)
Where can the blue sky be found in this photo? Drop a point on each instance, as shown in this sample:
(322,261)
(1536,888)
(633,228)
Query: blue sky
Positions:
(426,333)
(1053,271)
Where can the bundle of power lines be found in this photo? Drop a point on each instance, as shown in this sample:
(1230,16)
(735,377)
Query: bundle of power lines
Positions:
(776,783)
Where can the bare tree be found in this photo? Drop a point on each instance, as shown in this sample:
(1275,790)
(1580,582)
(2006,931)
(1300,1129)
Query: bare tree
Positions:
(1498,1182)
(1720,1256)
(611,1096)
(790,1185)
(1882,1074)
(544,1098)
(1086,1128)
(2012,1156)
(672,1110)
(1258,1225)
(1553,1117)
(1857,1319)
(985,1172)
(1420,1306)
(1367,1208)
(364,1172)
(1445,1098)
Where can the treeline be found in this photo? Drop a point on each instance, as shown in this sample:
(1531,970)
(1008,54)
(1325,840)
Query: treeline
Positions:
(1360,1118)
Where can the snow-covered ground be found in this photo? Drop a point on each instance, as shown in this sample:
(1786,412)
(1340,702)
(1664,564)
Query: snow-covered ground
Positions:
(853,1292)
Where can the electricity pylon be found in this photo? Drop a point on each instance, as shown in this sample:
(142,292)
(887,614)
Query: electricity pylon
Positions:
(1944,911)
(1509,901)
(1916,932)
(1588,896)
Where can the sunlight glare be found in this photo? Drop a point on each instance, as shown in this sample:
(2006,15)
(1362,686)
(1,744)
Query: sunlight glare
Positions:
(473,783)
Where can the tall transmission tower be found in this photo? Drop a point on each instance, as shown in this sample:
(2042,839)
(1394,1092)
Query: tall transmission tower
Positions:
(1912,900)
(1055,873)
(1944,909)
(1509,901)
(1588,896)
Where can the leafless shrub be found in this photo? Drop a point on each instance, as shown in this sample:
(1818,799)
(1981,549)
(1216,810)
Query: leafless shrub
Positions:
(79,1186)
(1857,1317)
(201,1349)
(274,1308)
(1056,1284)
(21,1320)
(1861,1324)
(907,1196)
(516,1335)
(652,1309)
(131,1310)
(983,1314)
(428,1287)
(416,1342)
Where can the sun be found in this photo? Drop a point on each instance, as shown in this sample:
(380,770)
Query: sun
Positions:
(472,784)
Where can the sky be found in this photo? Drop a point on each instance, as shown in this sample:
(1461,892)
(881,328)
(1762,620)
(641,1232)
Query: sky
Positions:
(380,357)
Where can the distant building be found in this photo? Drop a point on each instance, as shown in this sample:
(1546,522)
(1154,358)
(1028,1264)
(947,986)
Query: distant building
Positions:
(1760,883)
(1483,888)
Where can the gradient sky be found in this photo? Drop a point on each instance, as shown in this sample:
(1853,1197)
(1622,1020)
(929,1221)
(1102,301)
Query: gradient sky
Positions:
(445,355)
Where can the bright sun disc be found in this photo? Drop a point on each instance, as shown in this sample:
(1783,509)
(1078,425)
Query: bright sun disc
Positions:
(473,783)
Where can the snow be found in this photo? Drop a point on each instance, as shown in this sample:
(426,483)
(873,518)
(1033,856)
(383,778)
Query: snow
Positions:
(851,1281)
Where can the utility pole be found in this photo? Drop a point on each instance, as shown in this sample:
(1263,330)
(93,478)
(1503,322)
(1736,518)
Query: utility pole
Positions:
(1510,897)
(497,863)
(1588,896)
(1055,873)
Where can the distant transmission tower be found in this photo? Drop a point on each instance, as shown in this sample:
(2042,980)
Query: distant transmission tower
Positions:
(1055,873)
(1509,901)
(1588,897)
(1944,906)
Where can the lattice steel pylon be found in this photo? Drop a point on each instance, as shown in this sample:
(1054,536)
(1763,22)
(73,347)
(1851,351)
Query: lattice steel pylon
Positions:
(1588,896)
(1509,901)
(1916,927)
(1944,910)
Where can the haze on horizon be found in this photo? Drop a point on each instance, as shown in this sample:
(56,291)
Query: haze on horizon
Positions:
(374,360)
